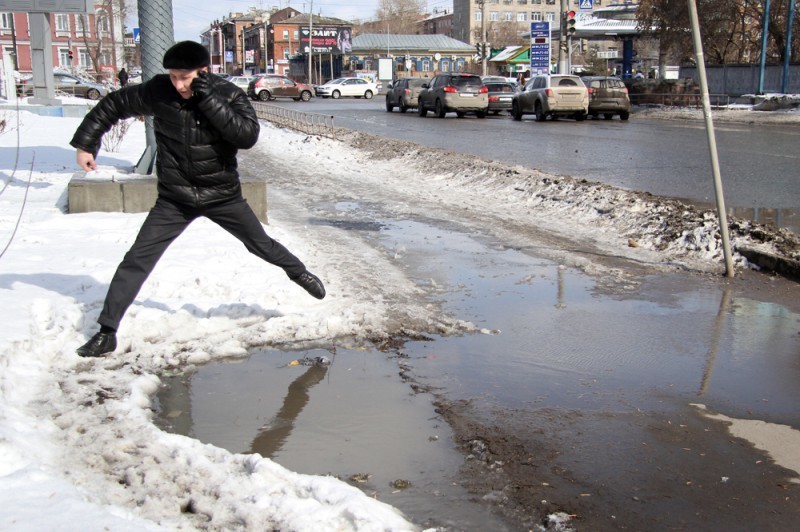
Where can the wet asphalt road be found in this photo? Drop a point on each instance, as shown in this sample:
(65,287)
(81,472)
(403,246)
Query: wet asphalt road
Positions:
(759,164)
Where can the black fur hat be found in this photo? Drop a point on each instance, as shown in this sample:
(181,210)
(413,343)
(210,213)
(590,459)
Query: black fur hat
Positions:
(186,55)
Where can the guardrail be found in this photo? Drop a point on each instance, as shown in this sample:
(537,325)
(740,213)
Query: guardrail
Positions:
(309,123)
(679,100)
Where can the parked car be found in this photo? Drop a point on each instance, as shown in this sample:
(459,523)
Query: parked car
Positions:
(608,96)
(500,95)
(458,93)
(69,84)
(270,86)
(554,96)
(241,81)
(356,87)
(403,94)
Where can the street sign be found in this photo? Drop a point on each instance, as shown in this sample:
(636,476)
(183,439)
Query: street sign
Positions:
(540,48)
(136,36)
(587,4)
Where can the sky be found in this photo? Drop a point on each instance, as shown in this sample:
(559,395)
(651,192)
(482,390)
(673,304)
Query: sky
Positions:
(78,448)
(192,17)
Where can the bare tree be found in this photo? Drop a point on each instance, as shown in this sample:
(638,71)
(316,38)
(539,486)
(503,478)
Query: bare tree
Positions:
(401,16)
(100,43)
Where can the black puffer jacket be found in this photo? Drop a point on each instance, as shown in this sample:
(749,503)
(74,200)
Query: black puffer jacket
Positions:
(197,139)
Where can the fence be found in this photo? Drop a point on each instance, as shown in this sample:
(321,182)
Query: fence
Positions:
(679,100)
(309,123)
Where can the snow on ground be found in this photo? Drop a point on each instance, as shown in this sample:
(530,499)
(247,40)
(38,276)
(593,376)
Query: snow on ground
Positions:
(78,449)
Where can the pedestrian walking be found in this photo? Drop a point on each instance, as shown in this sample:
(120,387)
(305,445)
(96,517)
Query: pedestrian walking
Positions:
(122,76)
(200,122)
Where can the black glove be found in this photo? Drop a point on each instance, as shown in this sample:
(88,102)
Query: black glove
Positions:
(200,85)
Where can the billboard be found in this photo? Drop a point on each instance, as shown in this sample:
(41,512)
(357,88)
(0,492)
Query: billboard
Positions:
(328,39)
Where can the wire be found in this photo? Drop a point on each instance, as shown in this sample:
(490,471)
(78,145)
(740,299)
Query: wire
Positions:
(22,208)
(16,156)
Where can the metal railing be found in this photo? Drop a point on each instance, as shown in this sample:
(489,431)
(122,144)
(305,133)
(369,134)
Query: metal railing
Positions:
(679,100)
(309,123)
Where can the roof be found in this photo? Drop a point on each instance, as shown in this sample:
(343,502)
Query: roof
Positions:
(302,18)
(408,43)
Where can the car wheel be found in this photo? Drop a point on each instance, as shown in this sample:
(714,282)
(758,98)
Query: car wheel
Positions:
(480,114)
(368,95)
(305,96)
(460,114)
(336,95)
(403,108)
(93,94)
(624,115)
(540,116)
(439,110)
(580,117)
(516,112)
(421,111)
(264,96)
(608,116)
(389,105)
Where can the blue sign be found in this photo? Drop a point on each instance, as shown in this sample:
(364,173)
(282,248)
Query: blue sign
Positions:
(136,36)
(587,4)
(540,48)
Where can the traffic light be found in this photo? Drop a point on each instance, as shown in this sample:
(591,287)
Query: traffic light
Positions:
(71,55)
(570,23)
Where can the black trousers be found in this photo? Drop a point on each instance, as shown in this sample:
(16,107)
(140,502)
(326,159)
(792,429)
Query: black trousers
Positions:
(165,222)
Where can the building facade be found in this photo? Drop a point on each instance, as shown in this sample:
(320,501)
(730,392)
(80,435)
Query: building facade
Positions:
(91,44)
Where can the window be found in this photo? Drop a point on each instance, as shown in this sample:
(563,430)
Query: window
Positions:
(5,20)
(296,35)
(536,16)
(84,59)
(522,16)
(493,16)
(426,65)
(478,16)
(285,34)
(63,57)
(62,23)
(550,17)
(80,25)
(522,2)
(508,16)
(101,20)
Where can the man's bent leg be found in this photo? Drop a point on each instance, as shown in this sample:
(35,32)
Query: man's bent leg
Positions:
(163,225)
(238,219)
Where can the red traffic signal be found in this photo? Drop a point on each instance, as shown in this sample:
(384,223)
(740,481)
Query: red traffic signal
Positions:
(570,22)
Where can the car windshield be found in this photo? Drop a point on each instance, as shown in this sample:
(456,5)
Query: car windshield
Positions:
(466,82)
(416,82)
(567,82)
(336,81)
(500,87)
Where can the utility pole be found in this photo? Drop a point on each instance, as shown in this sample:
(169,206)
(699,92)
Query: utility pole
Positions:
(563,67)
(311,43)
(484,51)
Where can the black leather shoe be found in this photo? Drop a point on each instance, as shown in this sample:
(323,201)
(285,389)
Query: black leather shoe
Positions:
(311,284)
(99,345)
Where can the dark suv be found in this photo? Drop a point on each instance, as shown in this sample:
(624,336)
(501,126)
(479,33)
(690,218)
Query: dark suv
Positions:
(457,93)
(608,96)
(404,94)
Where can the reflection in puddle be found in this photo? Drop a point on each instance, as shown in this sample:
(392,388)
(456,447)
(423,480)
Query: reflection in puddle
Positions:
(273,435)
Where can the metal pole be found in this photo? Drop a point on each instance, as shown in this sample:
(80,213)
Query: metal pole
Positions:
(563,67)
(764,35)
(484,51)
(787,55)
(712,143)
(157,35)
(310,43)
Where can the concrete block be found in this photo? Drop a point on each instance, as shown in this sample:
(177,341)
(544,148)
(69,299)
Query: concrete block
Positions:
(89,195)
(139,193)
(125,192)
(255,192)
